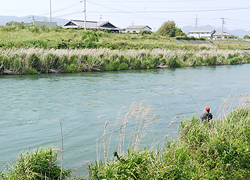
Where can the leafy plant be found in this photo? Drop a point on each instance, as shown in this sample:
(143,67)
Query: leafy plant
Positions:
(39,164)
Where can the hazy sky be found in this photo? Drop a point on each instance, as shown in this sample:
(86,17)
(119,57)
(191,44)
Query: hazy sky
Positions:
(123,13)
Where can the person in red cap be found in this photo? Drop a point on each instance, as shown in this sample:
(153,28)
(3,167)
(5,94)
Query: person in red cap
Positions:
(206,115)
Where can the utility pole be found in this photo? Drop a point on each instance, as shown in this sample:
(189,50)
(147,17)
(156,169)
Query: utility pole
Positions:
(196,22)
(85,15)
(33,20)
(223,22)
(100,17)
(50,12)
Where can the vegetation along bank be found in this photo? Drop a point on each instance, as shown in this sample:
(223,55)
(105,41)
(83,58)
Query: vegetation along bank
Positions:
(35,61)
(216,150)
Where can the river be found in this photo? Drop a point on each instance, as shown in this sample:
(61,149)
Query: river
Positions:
(32,106)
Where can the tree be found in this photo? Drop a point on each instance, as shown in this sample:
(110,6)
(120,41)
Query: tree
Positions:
(179,32)
(246,37)
(168,28)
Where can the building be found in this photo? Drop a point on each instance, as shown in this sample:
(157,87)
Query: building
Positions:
(198,33)
(91,25)
(138,28)
(49,24)
(225,35)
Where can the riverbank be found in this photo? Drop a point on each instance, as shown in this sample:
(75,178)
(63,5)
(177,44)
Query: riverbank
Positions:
(36,61)
(218,150)
(215,150)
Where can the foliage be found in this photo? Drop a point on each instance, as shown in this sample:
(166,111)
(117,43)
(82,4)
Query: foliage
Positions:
(215,150)
(246,37)
(179,32)
(39,164)
(190,38)
(143,32)
(35,61)
(168,28)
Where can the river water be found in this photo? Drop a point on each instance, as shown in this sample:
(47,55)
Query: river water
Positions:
(32,106)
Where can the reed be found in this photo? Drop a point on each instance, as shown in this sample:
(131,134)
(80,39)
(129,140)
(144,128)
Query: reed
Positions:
(215,150)
(39,164)
(33,60)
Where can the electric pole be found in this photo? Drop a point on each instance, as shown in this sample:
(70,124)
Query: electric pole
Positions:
(196,22)
(85,15)
(33,20)
(50,12)
(223,22)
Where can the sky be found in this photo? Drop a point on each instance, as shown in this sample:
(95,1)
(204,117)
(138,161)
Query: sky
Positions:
(153,13)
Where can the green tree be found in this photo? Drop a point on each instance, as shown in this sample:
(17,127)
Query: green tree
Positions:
(168,28)
(179,32)
(246,37)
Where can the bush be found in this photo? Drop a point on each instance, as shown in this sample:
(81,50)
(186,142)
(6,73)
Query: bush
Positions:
(33,61)
(39,164)
(122,66)
(71,69)
(113,66)
(145,65)
(136,64)
(210,60)
(172,62)
(32,71)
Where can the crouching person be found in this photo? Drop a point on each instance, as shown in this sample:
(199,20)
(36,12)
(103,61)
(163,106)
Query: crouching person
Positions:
(206,115)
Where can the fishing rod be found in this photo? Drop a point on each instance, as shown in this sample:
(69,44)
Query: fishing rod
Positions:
(193,99)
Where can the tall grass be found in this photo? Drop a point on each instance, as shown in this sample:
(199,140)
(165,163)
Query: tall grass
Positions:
(33,60)
(216,150)
(39,164)
(42,37)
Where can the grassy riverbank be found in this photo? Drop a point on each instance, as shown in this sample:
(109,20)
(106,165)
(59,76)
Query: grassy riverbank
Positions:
(34,50)
(218,150)
(35,61)
(58,38)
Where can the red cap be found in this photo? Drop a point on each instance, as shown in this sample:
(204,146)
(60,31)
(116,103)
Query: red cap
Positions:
(207,109)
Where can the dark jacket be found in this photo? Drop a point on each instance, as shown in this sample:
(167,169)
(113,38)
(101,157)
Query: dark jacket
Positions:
(206,116)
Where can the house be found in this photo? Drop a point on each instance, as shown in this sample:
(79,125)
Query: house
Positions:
(91,25)
(225,35)
(138,28)
(198,33)
(49,24)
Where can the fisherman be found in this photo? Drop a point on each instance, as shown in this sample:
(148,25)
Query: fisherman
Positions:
(206,115)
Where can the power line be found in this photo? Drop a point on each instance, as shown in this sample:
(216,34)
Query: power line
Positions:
(155,1)
(177,11)
(123,11)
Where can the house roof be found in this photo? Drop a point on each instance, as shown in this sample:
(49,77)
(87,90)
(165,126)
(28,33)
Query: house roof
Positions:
(90,24)
(202,31)
(224,34)
(138,27)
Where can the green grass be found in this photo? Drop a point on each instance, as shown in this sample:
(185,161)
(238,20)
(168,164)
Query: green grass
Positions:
(39,164)
(36,60)
(218,150)
(11,37)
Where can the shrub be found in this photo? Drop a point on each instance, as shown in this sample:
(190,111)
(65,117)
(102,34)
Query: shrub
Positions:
(52,61)
(71,69)
(39,164)
(136,64)
(172,62)
(113,66)
(145,65)
(235,60)
(122,66)
(210,60)
(32,71)
(33,61)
